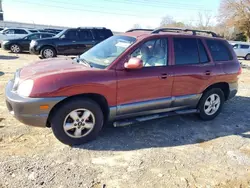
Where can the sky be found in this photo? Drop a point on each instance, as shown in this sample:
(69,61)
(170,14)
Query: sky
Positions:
(118,15)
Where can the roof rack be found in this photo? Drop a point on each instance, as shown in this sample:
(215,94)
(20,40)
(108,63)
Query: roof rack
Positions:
(131,30)
(91,28)
(194,31)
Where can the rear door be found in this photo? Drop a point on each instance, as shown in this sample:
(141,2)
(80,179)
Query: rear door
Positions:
(244,50)
(193,69)
(86,40)
(67,44)
(20,33)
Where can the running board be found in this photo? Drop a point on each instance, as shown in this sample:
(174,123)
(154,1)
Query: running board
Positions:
(131,121)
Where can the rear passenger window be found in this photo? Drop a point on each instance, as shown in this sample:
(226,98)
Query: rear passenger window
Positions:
(244,46)
(85,35)
(186,51)
(219,50)
(203,53)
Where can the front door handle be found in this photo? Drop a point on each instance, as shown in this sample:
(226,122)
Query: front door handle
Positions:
(164,76)
(208,73)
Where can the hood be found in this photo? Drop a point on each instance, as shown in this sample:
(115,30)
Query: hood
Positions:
(15,40)
(51,66)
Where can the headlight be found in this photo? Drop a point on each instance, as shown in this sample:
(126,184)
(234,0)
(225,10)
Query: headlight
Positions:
(16,80)
(25,88)
(33,43)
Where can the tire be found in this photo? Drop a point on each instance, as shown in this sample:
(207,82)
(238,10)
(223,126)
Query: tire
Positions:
(15,48)
(215,109)
(247,57)
(48,52)
(62,115)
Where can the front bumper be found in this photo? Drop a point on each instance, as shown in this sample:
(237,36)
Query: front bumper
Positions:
(34,50)
(27,110)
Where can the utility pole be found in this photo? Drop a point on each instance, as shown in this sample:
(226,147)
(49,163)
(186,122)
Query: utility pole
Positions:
(1,11)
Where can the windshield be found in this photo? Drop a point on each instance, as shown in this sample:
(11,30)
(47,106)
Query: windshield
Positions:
(104,53)
(59,34)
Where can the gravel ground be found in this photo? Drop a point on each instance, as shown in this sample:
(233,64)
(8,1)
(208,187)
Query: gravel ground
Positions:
(180,151)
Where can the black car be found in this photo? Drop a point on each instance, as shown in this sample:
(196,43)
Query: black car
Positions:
(22,44)
(72,41)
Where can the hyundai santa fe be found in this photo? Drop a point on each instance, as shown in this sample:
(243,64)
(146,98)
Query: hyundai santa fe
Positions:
(133,77)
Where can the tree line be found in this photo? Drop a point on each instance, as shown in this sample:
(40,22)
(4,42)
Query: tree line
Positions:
(233,21)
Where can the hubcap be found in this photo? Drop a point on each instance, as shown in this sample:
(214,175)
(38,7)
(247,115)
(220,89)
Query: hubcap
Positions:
(212,104)
(79,123)
(248,57)
(15,48)
(48,53)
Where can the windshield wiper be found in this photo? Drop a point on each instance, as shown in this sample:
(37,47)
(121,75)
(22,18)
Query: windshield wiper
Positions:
(83,61)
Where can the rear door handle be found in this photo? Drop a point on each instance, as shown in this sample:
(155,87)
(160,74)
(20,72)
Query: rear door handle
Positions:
(164,76)
(208,73)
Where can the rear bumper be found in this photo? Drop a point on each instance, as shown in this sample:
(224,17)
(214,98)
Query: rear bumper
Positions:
(233,89)
(27,110)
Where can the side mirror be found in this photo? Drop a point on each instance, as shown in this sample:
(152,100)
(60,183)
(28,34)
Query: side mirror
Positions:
(134,63)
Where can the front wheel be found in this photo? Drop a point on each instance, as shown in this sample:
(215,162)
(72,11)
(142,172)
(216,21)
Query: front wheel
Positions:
(77,121)
(48,52)
(211,104)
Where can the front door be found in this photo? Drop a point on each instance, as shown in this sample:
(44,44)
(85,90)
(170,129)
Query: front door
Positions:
(148,88)
(86,41)
(67,44)
(193,70)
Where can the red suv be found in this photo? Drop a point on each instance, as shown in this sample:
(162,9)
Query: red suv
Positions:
(140,75)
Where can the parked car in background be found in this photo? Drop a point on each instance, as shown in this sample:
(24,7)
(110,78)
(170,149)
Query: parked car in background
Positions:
(128,78)
(23,44)
(72,41)
(33,30)
(13,33)
(242,49)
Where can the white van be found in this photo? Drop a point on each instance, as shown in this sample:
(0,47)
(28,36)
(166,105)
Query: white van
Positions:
(13,33)
(242,49)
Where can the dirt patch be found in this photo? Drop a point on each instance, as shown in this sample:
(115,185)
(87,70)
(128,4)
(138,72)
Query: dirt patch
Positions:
(180,151)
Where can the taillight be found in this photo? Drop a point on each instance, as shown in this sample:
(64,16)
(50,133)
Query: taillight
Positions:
(240,70)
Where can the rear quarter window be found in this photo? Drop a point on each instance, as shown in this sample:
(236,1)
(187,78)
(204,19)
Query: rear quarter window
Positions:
(219,50)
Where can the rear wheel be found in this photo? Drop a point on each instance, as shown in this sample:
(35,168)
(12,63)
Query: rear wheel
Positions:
(77,122)
(247,57)
(211,104)
(15,48)
(48,52)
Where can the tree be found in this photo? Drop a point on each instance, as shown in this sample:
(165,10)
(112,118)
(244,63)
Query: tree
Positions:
(168,21)
(204,20)
(236,13)
(136,26)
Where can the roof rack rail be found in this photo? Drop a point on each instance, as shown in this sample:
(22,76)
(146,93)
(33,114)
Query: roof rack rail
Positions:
(91,27)
(131,30)
(194,31)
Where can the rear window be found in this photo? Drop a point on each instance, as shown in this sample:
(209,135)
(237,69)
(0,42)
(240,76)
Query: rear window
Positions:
(244,46)
(219,50)
(102,33)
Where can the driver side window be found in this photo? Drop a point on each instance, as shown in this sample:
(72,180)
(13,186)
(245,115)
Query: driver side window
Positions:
(153,53)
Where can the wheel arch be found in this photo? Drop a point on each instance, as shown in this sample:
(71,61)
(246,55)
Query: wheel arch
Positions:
(99,99)
(224,86)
